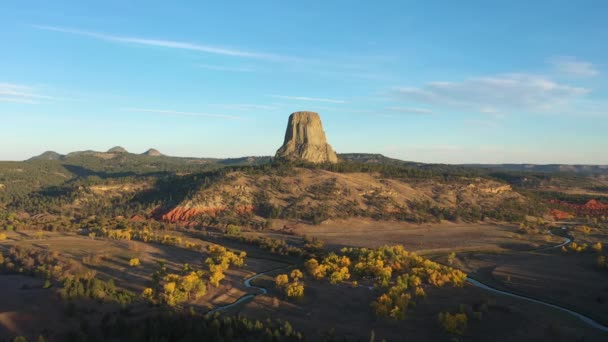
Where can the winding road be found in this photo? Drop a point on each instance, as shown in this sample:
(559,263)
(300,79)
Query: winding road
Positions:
(247,283)
(585,319)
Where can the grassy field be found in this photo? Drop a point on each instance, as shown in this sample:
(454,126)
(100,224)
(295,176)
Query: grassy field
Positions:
(428,238)
(496,254)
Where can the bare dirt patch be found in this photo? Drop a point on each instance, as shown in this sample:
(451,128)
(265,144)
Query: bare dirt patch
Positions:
(431,238)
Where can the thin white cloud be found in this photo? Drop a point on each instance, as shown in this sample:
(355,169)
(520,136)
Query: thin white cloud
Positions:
(244,106)
(180,113)
(171,44)
(17,93)
(411,110)
(224,68)
(505,92)
(310,99)
(573,66)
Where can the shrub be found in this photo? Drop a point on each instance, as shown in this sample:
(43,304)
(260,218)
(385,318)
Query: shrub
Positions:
(601,261)
(577,248)
(453,323)
(597,247)
(451,258)
(584,229)
(233,230)
(147,294)
(2,236)
(134,262)
(281,280)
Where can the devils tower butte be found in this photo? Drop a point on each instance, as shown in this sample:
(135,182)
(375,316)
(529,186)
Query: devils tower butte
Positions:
(305,140)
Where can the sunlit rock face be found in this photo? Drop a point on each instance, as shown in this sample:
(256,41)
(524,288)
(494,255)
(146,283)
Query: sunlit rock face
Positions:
(305,140)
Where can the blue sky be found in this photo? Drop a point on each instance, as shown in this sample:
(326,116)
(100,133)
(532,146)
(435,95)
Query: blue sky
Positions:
(474,81)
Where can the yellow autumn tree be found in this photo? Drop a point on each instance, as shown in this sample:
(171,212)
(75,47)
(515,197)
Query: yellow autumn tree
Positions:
(293,288)
(296,274)
(281,281)
(597,247)
(453,323)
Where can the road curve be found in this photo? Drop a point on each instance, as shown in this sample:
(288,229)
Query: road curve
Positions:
(244,298)
(586,319)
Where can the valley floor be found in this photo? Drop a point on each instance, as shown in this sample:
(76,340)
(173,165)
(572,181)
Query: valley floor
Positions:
(495,254)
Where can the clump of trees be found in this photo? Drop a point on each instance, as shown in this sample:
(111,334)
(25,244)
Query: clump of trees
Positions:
(275,246)
(177,289)
(145,234)
(400,275)
(36,262)
(75,282)
(575,247)
(335,267)
(290,285)
(184,326)
(87,286)
(174,289)
(219,260)
(455,324)
(233,230)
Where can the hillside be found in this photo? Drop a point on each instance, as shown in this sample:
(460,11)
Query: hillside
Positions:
(548,168)
(315,195)
(253,190)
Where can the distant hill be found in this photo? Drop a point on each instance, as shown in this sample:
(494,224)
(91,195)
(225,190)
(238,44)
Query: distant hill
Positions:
(48,155)
(371,158)
(117,149)
(152,153)
(547,168)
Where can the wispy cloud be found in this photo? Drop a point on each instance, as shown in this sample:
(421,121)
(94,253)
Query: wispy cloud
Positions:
(499,93)
(573,66)
(171,44)
(411,110)
(244,106)
(225,68)
(310,99)
(180,113)
(17,93)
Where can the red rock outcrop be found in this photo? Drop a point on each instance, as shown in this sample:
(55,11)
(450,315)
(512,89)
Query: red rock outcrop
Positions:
(137,218)
(592,207)
(561,215)
(182,214)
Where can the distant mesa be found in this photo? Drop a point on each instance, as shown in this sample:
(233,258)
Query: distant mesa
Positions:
(117,149)
(48,155)
(305,140)
(152,153)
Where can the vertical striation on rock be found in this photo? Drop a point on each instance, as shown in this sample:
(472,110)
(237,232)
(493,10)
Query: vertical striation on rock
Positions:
(305,140)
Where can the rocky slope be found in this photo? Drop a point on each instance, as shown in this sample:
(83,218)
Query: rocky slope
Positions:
(305,140)
(317,195)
